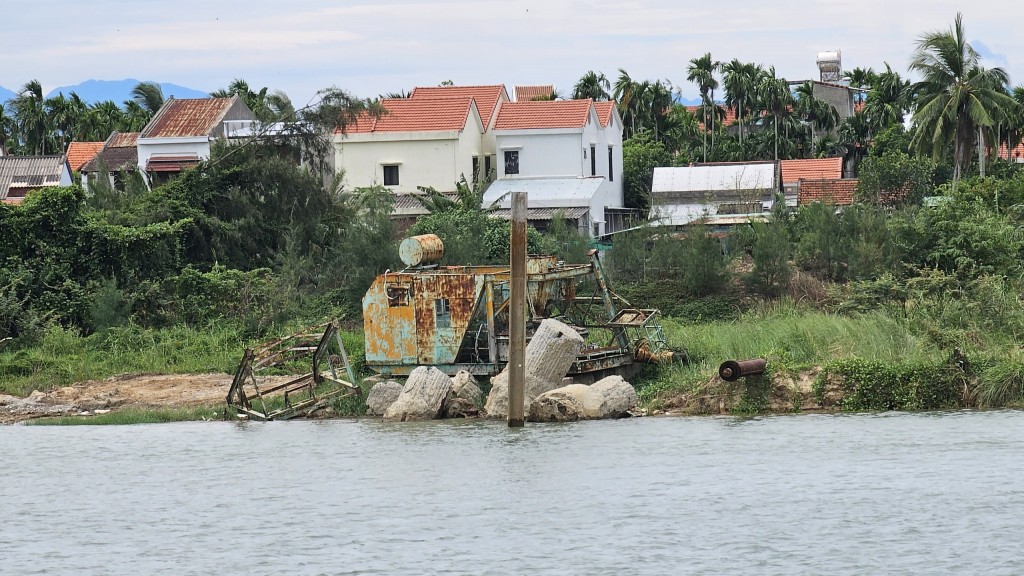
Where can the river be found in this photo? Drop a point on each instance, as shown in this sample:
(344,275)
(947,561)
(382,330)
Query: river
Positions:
(929,493)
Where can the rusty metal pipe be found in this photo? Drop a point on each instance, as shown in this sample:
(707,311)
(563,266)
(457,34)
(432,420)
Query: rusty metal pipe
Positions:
(732,370)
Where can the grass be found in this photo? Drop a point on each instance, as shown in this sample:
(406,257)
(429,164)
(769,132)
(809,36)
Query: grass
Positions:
(136,416)
(789,337)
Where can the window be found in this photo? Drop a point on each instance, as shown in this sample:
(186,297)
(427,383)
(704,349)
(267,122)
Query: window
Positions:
(476,168)
(611,165)
(511,161)
(593,160)
(487,166)
(391,175)
(398,296)
(442,313)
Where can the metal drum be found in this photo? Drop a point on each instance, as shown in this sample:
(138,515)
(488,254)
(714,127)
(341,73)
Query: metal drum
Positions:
(420,250)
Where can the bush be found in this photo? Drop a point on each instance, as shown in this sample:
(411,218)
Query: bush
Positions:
(858,384)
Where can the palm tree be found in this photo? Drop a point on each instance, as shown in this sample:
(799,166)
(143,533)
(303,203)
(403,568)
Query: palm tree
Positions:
(592,85)
(148,95)
(60,118)
(702,73)
(740,81)
(8,131)
(623,92)
(956,96)
(30,113)
(863,78)
(889,99)
(775,98)
(816,113)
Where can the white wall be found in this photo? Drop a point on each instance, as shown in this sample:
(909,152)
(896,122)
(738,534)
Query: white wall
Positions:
(434,159)
(149,146)
(542,153)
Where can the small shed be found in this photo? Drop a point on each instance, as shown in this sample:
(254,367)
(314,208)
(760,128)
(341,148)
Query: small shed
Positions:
(682,194)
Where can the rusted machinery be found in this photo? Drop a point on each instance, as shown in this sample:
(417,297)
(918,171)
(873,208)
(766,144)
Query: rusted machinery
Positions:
(733,370)
(456,317)
(292,376)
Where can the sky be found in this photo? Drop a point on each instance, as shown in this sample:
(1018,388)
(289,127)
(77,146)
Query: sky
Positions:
(371,47)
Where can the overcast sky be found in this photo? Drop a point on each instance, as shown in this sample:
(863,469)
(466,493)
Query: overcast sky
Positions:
(369,47)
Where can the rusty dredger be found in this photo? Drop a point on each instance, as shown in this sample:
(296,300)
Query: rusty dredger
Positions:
(456,317)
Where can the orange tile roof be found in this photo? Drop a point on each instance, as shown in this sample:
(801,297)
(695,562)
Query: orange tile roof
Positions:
(812,169)
(1018,152)
(835,191)
(487,97)
(541,114)
(604,111)
(698,111)
(81,152)
(123,140)
(531,92)
(187,117)
(416,115)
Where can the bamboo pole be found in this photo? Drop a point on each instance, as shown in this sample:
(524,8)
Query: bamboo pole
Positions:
(517,313)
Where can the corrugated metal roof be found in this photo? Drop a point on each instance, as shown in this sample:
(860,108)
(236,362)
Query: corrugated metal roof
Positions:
(696,180)
(122,140)
(408,205)
(171,162)
(29,172)
(187,117)
(544,192)
(571,213)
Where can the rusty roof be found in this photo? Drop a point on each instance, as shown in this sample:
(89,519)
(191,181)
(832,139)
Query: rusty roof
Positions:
(530,92)
(811,169)
(122,140)
(423,115)
(81,152)
(29,172)
(834,191)
(540,114)
(487,97)
(114,159)
(187,117)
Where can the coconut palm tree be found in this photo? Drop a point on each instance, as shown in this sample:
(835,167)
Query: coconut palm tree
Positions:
(148,95)
(8,131)
(623,91)
(956,95)
(702,73)
(592,85)
(30,113)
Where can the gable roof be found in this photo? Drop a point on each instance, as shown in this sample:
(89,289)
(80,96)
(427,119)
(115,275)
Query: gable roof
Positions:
(835,191)
(122,140)
(531,92)
(417,115)
(81,152)
(27,172)
(694,182)
(114,159)
(604,111)
(811,169)
(188,117)
(487,97)
(541,114)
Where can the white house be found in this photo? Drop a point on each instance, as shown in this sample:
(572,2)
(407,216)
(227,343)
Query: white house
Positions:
(417,142)
(544,146)
(684,194)
(180,133)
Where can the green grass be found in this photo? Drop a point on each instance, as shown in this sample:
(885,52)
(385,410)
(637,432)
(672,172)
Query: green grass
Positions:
(789,337)
(136,416)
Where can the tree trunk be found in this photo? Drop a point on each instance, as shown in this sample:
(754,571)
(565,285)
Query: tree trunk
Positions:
(776,138)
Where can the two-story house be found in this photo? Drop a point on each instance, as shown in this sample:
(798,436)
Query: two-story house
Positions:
(567,156)
(179,134)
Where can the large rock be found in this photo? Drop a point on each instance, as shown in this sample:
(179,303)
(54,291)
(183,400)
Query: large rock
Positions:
(549,355)
(610,397)
(382,396)
(465,399)
(422,397)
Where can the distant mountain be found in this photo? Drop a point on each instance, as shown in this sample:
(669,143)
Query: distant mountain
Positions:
(6,94)
(687,101)
(119,90)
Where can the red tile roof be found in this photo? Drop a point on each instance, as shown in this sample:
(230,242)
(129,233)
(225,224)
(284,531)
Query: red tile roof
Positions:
(838,191)
(812,169)
(698,111)
(541,114)
(1017,154)
(187,117)
(81,152)
(487,97)
(123,140)
(416,115)
(531,92)
(604,112)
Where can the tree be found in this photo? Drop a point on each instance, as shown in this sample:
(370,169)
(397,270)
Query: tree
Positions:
(30,114)
(702,73)
(8,131)
(740,81)
(956,95)
(770,250)
(894,179)
(774,95)
(592,85)
(888,100)
(640,155)
(148,95)
(816,113)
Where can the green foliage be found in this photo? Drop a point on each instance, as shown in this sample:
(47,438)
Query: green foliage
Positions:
(894,179)
(127,416)
(472,237)
(770,249)
(109,306)
(640,155)
(873,385)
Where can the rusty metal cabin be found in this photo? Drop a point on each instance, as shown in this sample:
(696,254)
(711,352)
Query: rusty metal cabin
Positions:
(456,317)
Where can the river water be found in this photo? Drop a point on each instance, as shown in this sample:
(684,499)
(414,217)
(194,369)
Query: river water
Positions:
(932,493)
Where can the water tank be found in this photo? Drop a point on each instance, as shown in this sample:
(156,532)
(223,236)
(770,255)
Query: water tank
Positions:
(420,250)
(830,65)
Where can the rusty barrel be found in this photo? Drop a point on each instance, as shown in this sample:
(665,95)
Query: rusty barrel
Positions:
(732,370)
(419,250)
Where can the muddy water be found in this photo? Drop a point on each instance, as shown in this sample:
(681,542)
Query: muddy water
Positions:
(866,494)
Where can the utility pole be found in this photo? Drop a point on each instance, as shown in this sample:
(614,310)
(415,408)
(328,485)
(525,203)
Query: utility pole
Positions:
(517,313)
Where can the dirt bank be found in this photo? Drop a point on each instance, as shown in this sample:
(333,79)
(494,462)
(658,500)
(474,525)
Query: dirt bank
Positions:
(128,390)
(779,394)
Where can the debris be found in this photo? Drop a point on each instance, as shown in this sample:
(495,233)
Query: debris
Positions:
(422,397)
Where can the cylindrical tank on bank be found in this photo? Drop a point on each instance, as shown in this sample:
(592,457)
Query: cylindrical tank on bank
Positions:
(419,250)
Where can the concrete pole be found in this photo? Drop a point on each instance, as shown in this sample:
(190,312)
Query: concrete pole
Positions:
(517,313)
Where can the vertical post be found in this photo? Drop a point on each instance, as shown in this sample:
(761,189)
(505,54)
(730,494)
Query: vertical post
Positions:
(517,313)
(492,347)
